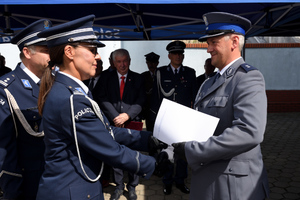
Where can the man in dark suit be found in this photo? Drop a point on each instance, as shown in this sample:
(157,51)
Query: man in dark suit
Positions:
(176,83)
(93,82)
(152,62)
(121,98)
(209,72)
(3,68)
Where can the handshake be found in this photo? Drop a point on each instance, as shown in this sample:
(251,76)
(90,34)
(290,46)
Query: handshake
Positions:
(162,159)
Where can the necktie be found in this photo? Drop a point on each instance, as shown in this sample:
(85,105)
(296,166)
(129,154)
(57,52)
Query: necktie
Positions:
(91,85)
(176,71)
(217,76)
(122,86)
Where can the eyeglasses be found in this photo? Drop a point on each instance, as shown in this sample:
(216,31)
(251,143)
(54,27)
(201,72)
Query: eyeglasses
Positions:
(92,48)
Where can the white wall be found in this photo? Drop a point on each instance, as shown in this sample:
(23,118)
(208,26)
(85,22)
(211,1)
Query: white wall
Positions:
(280,66)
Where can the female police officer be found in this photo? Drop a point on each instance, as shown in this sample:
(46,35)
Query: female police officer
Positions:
(78,137)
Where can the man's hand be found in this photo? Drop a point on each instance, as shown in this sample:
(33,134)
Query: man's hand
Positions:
(179,150)
(155,145)
(121,119)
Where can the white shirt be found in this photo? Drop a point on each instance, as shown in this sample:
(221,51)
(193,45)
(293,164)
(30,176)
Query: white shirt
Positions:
(173,69)
(119,75)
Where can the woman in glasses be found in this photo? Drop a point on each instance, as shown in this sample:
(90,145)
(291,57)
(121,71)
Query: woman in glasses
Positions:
(78,136)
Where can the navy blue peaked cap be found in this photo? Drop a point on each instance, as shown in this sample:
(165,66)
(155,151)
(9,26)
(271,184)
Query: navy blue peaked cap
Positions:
(79,30)
(221,23)
(152,57)
(176,46)
(28,36)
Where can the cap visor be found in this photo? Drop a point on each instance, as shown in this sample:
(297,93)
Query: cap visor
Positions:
(95,42)
(204,38)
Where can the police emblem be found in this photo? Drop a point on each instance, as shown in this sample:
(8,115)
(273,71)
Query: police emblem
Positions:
(26,83)
(205,20)
(46,24)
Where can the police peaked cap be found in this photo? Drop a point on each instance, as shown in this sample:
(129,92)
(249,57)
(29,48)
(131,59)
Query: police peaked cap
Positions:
(28,36)
(221,23)
(152,57)
(176,46)
(79,30)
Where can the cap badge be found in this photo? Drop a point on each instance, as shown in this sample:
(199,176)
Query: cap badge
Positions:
(205,20)
(46,24)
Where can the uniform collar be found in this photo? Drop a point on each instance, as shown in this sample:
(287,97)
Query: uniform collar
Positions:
(80,83)
(227,66)
(173,68)
(29,73)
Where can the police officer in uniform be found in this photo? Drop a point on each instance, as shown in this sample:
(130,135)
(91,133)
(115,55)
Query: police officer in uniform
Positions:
(78,137)
(176,83)
(21,137)
(229,164)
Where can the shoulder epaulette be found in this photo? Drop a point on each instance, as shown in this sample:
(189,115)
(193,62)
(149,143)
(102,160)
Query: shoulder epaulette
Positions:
(247,67)
(6,80)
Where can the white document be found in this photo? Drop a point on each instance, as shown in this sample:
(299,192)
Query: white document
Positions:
(178,123)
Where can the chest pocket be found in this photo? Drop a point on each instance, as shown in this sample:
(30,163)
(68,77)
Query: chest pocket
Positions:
(218,102)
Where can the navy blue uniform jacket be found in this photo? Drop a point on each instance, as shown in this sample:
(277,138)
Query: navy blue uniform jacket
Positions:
(63,177)
(24,155)
(184,84)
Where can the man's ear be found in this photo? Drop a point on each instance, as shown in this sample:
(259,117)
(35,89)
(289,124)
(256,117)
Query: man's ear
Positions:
(26,52)
(235,42)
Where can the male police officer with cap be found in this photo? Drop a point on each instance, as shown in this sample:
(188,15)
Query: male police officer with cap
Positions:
(176,83)
(152,63)
(229,164)
(21,136)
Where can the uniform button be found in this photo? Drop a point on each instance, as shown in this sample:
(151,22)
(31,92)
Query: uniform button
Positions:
(88,196)
(230,170)
(34,117)
(106,124)
(175,85)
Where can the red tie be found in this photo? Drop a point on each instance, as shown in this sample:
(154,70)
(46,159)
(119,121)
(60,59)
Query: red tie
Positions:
(122,86)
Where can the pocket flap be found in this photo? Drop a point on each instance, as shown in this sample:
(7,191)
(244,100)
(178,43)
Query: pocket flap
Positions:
(218,102)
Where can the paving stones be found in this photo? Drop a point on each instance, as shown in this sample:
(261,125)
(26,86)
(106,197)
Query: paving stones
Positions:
(281,151)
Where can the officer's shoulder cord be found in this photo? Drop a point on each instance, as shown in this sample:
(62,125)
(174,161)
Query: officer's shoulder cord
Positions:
(160,87)
(14,107)
(99,115)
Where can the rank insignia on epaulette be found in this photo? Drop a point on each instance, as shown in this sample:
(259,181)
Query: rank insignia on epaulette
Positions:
(79,90)
(36,127)
(26,83)
(2,102)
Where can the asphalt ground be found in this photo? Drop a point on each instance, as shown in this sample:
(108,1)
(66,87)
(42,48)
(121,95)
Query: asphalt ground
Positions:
(281,151)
